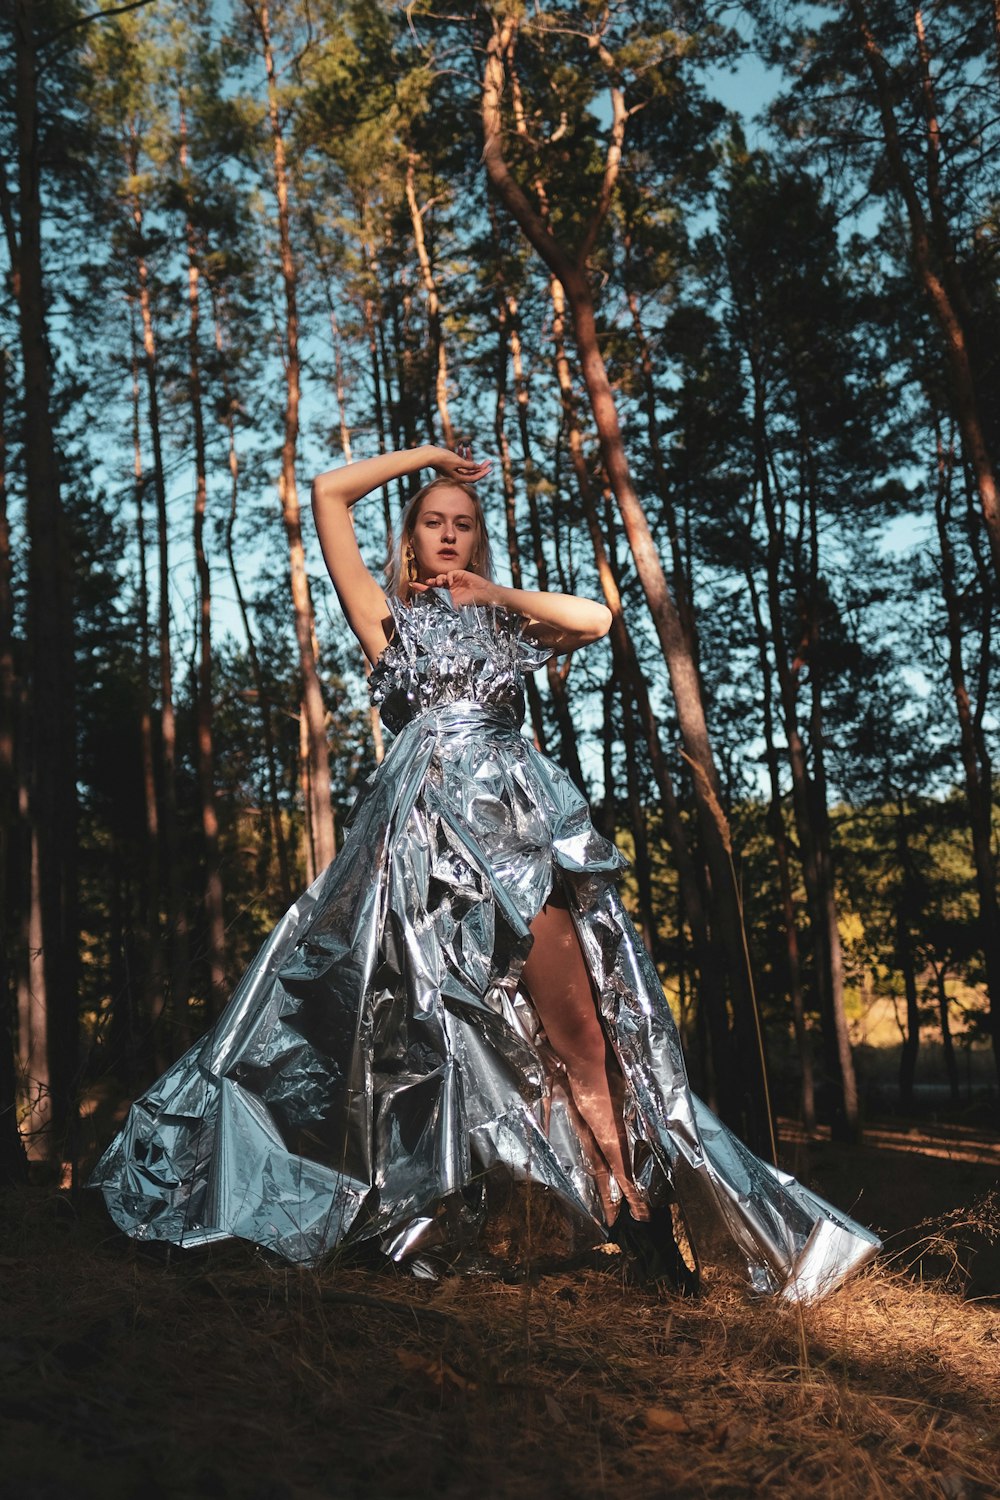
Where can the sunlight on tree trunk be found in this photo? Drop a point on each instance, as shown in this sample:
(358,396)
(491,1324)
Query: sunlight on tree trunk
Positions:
(316,780)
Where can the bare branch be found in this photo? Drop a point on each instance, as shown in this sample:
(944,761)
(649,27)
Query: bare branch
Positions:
(96,15)
(509,190)
(613,156)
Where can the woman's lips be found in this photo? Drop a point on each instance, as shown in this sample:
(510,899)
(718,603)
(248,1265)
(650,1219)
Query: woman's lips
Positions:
(448,552)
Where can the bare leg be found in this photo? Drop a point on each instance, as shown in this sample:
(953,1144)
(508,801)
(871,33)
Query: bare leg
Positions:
(558,981)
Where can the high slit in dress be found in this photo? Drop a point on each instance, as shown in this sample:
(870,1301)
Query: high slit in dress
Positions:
(379,1063)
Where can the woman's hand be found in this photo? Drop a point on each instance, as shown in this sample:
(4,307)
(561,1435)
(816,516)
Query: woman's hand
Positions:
(458,467)
(561,621)
(464,587)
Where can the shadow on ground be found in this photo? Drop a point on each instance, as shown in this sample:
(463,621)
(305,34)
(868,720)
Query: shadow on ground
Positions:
(128,1373)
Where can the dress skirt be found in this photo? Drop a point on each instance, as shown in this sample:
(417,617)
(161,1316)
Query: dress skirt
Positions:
(380,1063)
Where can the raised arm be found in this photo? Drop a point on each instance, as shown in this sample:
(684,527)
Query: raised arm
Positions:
(563,621)
(333,494)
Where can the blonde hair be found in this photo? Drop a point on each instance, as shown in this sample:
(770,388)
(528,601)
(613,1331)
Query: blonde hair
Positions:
(480,562)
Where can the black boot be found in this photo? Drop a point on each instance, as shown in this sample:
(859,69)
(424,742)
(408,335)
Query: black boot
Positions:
(652,1251)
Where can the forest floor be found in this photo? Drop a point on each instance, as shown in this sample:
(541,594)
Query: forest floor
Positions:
(130,1373)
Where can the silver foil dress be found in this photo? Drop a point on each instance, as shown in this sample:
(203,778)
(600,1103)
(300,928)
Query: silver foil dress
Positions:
(378,1063)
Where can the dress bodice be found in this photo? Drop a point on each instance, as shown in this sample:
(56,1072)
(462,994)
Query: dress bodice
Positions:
(442,653)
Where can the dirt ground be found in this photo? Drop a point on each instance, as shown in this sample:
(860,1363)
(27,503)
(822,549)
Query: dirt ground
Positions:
(129,1372)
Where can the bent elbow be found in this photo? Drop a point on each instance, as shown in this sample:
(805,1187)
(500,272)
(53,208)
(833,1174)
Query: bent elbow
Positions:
(327,492)
(603,623)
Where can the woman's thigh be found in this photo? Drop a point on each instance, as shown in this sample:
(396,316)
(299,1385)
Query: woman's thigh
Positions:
(558,981)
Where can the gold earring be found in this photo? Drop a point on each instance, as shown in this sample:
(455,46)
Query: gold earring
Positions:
(411,564)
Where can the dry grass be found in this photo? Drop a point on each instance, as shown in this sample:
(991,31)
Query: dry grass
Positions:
(126,1373)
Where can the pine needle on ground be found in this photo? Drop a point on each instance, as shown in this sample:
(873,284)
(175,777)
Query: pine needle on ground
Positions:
(125,1373)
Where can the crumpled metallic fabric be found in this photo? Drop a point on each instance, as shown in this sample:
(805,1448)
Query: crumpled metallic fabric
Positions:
(378,1061)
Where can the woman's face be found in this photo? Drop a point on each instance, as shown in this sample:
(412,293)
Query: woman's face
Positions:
(445,533)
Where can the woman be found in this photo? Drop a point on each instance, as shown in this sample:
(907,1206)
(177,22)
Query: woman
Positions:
(460,999)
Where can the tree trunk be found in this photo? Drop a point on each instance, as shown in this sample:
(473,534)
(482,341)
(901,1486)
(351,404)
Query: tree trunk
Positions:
(779,838)
(278,840)
(407,402)
(371,312)
(978,787)
(375,310)
(608,821)
(930,258)
(152,982)
(835,1033)
(124,1026)
(686,688)
(51,633)
(947,1041)
(33,1022)
(336,341)
(568,752)
(904,949)
(177,923)
(338,385)
(439,355)
(400,431)
(684,607)
(808,794)
(13,1161)
(534,697)
(627,667)
(374,719)
(506,467)
(319,811)
(376,372)
(215,918)
(308,844)
(637,822)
